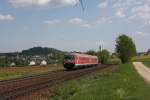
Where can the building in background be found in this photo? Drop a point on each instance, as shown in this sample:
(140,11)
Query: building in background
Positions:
(148,52)
(43,62)
(32,63)
(12,64)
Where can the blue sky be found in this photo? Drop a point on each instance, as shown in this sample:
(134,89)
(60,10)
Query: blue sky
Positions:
(62,24)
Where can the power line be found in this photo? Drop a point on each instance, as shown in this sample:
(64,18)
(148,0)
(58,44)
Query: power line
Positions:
(81,2)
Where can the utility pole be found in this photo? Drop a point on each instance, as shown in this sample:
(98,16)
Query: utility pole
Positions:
(100,48)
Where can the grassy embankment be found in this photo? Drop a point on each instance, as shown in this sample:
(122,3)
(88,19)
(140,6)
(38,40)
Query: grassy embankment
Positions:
(144,59)
(16,72)
(119,83)
(141,58)
(114,61)
(147,63)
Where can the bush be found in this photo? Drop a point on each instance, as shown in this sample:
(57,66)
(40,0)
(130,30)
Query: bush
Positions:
(104,56)
(114,61)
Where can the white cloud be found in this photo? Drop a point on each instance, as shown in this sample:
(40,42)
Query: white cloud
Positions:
(76,21)
(52,22)
(103,4)
(70,2)
(127,4)
(79,22)
(141,33)
(104,19)
(136,10)
(7,17)
(86,25)
(141,12)
(53,3)
(23,3)
(120,13)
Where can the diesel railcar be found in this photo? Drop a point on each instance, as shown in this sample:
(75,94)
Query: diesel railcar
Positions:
(78,60)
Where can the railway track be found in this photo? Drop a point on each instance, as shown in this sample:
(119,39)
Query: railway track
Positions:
(11,89)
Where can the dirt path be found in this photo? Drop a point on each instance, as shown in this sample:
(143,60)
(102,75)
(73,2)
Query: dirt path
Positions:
(143,70)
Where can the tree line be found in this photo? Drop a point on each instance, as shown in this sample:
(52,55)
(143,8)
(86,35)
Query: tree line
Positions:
(125,50)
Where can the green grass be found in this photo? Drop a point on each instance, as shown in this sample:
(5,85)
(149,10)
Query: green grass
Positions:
(17,72)
(121,83)
(144,59)
(141,58)
(147,63)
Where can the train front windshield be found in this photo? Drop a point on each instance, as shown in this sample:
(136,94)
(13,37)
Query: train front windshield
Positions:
(69,57)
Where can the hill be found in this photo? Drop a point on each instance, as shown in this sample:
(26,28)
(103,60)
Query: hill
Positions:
(41,51)
(37,54)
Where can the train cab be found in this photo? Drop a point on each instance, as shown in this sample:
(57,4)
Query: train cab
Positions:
(69,61)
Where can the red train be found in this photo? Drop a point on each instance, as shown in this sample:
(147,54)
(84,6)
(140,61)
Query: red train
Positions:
(76,60)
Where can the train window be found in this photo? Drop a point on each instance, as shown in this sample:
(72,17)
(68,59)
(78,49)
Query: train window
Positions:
(69,57)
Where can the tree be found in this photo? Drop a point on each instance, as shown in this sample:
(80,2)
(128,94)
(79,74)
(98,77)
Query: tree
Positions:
(91,52)
(125,48)
(104,56)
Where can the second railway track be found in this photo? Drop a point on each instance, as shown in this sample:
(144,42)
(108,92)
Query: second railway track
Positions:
(11,89)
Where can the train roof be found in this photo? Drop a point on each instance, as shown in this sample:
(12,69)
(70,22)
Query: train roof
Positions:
(80,54)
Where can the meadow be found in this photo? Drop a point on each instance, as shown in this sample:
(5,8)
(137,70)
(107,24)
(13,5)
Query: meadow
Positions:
(118,83)
(141,58)
(17,72)
(147,63)
(144,59)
